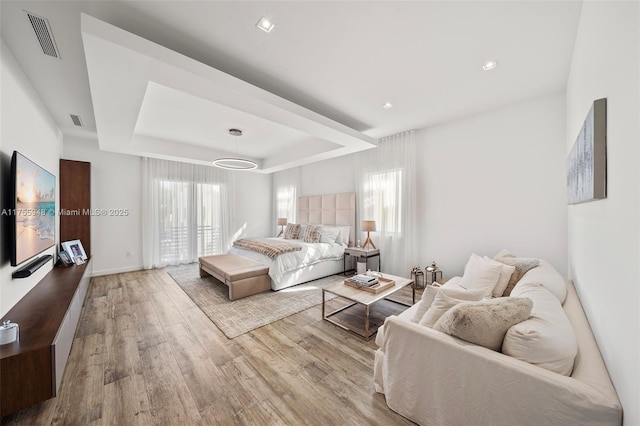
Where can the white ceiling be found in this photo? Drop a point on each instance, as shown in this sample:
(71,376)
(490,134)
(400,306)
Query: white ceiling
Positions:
(329,67)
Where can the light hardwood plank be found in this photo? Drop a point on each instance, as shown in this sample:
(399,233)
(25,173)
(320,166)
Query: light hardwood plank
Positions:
(144,353)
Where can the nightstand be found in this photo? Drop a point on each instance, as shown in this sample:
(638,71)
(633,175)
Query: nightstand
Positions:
(362,256)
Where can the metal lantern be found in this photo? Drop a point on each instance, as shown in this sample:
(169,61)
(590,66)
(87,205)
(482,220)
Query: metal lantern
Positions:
(433,273)
(418,277)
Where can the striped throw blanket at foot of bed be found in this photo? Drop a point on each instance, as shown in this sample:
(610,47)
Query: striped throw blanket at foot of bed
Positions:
(267,246)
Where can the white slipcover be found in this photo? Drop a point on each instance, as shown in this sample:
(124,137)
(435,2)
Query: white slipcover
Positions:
(436,379)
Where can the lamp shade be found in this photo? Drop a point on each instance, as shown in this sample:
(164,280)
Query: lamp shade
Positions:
(282,221)
(368,226)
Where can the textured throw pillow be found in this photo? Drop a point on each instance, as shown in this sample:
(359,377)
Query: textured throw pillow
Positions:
(291,231)
(312,234)
(547,338)
(485,323)
(428,295)
(446,298)
(522,265)
(329,234)
(481,274)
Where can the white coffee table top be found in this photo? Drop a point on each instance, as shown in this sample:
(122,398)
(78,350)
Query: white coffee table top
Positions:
(365,298)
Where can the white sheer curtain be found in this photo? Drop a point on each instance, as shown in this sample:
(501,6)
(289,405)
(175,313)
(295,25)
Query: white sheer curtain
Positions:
(187,212)
(386,193)
(286,188)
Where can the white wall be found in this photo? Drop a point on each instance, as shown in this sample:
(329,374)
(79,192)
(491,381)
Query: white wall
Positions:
(604,235)
(116,241)
(26,126)
(253,205)
(491,181)
(328,177)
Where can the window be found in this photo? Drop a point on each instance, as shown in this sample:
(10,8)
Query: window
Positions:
(286,202)
(189,218)
(383,200)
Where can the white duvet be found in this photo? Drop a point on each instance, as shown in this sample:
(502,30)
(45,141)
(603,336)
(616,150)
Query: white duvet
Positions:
(310,254)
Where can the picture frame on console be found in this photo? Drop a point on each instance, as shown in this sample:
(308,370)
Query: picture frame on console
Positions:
(65,259)
(74,249)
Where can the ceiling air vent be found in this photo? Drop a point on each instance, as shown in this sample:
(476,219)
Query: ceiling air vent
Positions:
(76,120)
(43,33)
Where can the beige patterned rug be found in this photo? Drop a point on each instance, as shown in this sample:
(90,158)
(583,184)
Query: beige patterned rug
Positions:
(237,317)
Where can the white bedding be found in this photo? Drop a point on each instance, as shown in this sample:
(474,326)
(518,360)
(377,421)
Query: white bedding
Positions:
(311,253)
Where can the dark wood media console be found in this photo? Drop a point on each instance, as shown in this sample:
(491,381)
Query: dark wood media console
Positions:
(31,369)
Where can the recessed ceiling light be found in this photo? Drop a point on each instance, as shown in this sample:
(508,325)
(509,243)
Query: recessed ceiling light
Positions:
(265,25)
(387,105)
(489,65)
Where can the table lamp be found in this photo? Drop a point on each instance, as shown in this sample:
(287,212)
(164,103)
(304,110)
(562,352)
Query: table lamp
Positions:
(368,226)
(282,221)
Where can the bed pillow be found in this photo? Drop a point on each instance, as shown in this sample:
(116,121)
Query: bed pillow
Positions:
(312,234)
(547,338)
(522,265)
(485,323)
(445,299)
(482,274)
(329,234)
(344,235)
(291,231)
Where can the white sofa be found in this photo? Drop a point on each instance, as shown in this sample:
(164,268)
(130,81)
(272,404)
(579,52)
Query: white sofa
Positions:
(436,379)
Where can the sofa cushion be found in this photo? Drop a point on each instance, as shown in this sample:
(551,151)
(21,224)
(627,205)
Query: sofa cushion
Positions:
(550,279)
(484,323)
(547,338)
(425,302)
(522,265)
(481,273)
(445,299)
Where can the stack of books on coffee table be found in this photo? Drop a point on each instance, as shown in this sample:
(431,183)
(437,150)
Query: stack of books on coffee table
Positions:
(364,280)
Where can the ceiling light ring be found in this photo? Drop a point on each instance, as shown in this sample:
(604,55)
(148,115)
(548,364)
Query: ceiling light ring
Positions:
(234,163)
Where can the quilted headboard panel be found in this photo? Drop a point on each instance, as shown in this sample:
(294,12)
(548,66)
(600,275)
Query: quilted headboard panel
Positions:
(329,209)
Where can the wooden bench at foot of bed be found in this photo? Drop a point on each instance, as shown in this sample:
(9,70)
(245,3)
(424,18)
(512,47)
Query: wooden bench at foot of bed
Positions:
(244,277)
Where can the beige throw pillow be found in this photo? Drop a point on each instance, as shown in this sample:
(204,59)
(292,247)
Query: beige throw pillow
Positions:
(521,264)
(485,323)
(312,234)
(446,298)
(425,302)
(481,273)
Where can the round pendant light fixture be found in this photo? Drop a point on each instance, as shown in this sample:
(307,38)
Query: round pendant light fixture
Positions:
(232,163)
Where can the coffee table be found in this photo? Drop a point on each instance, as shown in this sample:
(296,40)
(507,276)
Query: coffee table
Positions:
(362,297)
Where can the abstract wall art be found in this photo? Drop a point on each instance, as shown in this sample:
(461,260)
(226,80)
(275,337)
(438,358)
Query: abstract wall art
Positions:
(587,161)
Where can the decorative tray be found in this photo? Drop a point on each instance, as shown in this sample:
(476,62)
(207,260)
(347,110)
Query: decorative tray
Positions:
(383,284)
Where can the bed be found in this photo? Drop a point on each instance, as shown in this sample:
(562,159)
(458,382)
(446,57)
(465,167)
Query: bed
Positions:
(313,260)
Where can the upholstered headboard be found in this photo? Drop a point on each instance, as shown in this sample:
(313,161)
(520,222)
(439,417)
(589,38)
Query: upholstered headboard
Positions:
(329,209)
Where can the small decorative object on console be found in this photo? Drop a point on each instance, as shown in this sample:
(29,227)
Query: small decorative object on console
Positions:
(418,277)
(65,259)
(432,273)
(9,332)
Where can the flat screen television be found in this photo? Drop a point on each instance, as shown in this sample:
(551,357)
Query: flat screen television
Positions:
(34,209)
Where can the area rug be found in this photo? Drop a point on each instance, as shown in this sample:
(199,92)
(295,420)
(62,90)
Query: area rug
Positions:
(237,317)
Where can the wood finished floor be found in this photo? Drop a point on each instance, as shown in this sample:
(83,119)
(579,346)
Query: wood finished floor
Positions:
(144,353)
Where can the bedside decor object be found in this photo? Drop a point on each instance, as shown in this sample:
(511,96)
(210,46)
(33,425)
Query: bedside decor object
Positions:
(368,226)
(587,161)
(9,332)
(432,273)
(282,222)
(418,277)
(74,249)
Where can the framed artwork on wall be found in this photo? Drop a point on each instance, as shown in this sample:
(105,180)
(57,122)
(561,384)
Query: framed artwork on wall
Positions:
(587,161)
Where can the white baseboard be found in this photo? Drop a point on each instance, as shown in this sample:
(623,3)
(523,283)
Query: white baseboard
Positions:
(116,271)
